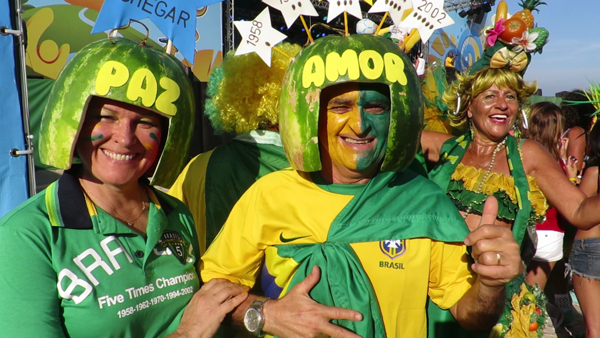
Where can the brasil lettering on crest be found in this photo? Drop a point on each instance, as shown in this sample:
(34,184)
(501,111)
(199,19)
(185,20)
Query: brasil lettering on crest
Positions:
(369,64)
(142,84)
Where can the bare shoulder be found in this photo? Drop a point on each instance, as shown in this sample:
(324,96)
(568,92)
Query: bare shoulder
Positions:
(431,143)
(534,155)
(575,133)
(435,138)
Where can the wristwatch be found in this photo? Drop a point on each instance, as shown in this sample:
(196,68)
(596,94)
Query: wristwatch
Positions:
(254,319)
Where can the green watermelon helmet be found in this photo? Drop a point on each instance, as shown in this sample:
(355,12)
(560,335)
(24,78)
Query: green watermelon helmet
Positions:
(333,60)
(121,70)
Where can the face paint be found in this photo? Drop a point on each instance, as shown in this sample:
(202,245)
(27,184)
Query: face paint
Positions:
(375,115)
(125,142)
(151,146)
(358,121)
(154,137)
(93,137)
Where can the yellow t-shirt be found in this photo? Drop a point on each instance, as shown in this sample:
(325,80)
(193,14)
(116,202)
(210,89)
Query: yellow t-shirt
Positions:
(287,207)
(449,62)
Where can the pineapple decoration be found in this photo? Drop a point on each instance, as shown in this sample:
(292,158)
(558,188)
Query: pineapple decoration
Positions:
(525,14)
(518,31)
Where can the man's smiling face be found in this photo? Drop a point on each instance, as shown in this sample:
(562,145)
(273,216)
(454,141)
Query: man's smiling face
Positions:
(354,126)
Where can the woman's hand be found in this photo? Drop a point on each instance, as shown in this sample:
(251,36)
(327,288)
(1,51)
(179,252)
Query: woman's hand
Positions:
(207,309)
(562,149)
(571,169)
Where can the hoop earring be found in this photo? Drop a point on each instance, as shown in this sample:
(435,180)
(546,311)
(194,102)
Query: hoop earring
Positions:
(457,105)
(525,123)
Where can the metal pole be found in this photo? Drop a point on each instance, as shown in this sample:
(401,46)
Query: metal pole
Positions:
(22,75)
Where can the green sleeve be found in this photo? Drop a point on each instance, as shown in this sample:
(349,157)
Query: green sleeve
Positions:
(29,303)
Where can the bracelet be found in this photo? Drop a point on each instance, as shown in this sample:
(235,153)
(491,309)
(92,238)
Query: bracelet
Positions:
(574,180)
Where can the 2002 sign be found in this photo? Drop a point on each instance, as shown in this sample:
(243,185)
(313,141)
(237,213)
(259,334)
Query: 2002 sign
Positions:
(427,7)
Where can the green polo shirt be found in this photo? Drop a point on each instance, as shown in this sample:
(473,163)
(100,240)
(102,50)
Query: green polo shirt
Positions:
(70,269)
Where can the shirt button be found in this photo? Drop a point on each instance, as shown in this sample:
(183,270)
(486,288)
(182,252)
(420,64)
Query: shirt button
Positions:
(139,254)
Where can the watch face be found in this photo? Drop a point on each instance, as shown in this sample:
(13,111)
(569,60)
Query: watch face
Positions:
(252,320)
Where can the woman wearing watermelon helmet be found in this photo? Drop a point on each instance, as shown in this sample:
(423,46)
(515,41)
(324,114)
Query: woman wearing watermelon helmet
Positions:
(101,252)
(487,160)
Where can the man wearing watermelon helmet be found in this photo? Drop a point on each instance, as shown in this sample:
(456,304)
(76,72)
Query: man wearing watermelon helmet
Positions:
(383,238)
(100,252)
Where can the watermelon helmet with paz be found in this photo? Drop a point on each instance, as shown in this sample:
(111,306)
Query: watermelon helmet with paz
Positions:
(333,60)
(121,70)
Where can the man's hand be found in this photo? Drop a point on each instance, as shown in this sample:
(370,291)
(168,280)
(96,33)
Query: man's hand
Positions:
(297,315)
(497,261)
(494,249)
(209,305)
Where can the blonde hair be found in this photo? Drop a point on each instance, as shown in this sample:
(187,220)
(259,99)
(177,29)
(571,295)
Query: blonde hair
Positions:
(243,93)
(546,125)
(469,86)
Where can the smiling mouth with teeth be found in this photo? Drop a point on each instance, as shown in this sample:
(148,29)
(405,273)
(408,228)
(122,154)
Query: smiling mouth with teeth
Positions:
(353,141)
(117,157)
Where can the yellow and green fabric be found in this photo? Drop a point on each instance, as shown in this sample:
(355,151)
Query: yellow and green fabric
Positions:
(75,271)
(212,182)
(522,203)
(382,247)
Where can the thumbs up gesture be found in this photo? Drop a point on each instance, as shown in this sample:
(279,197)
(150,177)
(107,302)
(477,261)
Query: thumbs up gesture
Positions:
(494,249)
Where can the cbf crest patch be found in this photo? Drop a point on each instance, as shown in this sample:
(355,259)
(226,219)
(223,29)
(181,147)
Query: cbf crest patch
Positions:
(177,245)
(393,248)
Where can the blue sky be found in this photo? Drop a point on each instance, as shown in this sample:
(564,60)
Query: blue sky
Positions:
(571,59)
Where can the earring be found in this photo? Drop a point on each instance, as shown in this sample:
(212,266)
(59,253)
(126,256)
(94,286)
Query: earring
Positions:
(471,129)
(525,123)
(457,104)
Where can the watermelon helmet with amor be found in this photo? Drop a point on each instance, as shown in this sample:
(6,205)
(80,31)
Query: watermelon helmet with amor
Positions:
(357,58)
(121,70)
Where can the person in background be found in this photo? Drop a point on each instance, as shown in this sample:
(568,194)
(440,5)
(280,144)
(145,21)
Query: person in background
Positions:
(420,66)
(243,96)
(578,111)
(450,69)
(100,252)
(546,125)
(584,260)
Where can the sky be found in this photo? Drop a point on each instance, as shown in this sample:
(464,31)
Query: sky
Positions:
(571,59)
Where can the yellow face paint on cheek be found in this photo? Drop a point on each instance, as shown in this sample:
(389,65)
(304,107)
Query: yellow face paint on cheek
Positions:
(341,126)
(153,145)
(338,125)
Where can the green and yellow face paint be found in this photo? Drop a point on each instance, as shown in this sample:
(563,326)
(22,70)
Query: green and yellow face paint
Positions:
(356,127)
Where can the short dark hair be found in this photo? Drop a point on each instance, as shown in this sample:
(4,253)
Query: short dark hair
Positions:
(593,147)
(577,114)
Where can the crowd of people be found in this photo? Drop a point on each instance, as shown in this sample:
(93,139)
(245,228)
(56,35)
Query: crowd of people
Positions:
(331,213)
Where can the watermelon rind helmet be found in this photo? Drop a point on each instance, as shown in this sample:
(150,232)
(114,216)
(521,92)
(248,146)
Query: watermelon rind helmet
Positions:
(333,60)
(126,71)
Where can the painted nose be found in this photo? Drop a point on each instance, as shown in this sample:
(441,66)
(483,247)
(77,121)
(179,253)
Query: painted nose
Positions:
(356,123)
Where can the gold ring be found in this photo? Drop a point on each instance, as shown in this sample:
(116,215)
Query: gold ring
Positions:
(498,257)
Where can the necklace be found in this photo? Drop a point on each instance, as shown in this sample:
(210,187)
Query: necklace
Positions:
(489,171)
(121,218)
(129,224)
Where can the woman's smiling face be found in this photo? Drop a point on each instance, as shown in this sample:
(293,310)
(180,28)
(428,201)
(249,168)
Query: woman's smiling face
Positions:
(118,142)
(493,112)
